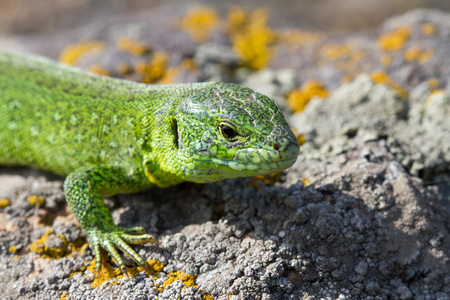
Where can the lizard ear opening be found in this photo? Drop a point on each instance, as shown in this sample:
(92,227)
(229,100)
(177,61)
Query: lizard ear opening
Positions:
(175,132)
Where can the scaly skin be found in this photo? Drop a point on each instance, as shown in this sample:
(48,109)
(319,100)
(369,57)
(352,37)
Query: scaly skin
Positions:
(110,136)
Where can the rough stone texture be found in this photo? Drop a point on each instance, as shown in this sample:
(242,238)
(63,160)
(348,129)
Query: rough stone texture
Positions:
(417,131)
(372,222)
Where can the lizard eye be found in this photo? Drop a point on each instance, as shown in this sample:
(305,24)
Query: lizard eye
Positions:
(228,132)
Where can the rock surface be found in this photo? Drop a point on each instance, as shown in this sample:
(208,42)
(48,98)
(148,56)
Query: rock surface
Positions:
(363,214)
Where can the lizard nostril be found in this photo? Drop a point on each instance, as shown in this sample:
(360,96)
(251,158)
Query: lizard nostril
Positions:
(276,147)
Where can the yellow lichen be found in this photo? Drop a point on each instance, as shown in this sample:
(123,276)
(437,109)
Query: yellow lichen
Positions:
(131,46)
(416,54)
(110,274)
(67,248)
(16,257)
(208,297)
(12,249)
(187,279)
(305,181)
(394,40)
(252,39)
(199,22)
(73,53)
(4,202)
(65,297)
(301,139)
(382,77)
(36,200)
(98,69)
(298,99)
(428,29)
(153,71)
(40,246)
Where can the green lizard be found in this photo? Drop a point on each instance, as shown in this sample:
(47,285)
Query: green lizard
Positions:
(111,136)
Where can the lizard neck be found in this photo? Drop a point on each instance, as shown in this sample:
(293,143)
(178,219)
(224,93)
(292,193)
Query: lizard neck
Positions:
(157,131)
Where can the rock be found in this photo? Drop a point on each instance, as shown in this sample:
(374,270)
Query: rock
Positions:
(357,216)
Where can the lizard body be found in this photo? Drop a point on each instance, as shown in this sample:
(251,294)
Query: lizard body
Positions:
(111,136)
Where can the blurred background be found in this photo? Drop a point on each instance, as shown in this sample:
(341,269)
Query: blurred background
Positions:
(45,16)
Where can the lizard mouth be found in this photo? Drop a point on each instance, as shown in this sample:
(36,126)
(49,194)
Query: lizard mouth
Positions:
(246,162)
(249,161)
(255,168)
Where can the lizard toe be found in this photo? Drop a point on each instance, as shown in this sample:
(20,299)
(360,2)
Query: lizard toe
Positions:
(139,239)
(134,230)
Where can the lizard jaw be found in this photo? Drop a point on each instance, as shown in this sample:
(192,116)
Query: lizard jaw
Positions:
(250,161)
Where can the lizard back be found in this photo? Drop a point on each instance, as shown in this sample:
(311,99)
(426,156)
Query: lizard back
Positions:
(57,118)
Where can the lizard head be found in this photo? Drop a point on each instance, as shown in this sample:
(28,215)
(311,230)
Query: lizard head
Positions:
(227,131)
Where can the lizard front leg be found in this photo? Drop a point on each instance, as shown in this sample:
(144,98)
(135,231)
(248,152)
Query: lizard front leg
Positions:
(84,189)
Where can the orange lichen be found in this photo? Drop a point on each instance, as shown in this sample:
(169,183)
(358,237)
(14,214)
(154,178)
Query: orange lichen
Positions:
(199,22)
(335,52)
(298,38)
(169,75)
(356,55)
(12,249)
(394,40)
(428,29)
(298,99)
(124,69)
(187,279)
(36,200)
(346,57)
(237,19)
(153,71)
(4,202)
(301,139)
(65,297)
(270,179)
(98,69)
(67,248)
(386,60)
(416,54)
(347,78)
(382,77)
(131,46)
(188,64)
(251,37)
(110,274)
(73,53)
(432,95)
(433,83)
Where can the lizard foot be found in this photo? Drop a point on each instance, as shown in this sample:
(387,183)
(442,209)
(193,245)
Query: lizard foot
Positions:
(119,238)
